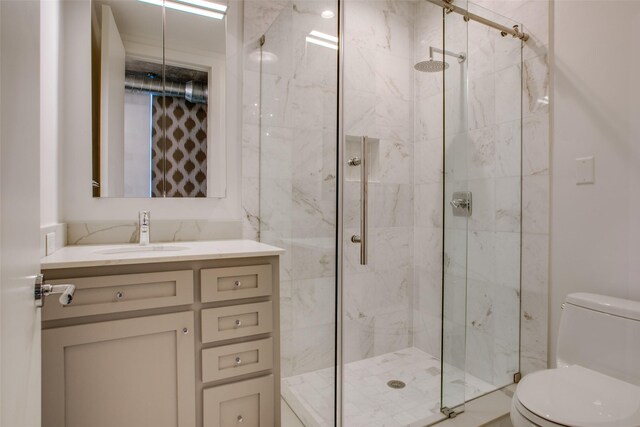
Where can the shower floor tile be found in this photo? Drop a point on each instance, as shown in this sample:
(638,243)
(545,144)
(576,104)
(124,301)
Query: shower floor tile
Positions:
(369,401)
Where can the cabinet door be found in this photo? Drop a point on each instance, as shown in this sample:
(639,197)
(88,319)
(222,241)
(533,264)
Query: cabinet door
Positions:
(125,373)
(245,403)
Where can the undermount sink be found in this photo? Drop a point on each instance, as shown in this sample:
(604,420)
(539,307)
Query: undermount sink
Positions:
(138,249)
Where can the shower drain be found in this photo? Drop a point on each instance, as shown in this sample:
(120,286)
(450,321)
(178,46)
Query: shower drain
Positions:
(396,384)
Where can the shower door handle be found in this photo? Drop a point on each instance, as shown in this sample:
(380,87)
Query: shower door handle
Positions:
(364,200)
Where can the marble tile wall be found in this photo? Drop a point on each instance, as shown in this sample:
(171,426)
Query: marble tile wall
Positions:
(111,232)
(378,103)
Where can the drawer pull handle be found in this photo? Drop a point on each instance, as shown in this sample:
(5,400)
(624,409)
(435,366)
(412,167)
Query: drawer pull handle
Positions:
(185,331)
(238,323)
(240,419)
(119,295)
(237,284)
(238,361)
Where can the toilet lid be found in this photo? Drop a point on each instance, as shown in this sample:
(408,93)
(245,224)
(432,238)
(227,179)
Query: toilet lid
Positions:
(579,397)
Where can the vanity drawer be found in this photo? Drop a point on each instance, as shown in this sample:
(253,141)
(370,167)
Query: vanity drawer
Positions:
(127,292)
(237,359)
(222,284)
(236,321)
(246,403)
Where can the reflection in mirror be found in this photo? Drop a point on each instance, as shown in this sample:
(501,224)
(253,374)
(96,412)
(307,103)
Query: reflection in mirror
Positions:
(158,93)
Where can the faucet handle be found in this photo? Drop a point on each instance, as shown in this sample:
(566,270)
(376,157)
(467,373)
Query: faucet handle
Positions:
(144,217)
(145,224)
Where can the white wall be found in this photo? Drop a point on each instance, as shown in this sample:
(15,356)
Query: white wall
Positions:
(595,229)
(77,203)
(50,91)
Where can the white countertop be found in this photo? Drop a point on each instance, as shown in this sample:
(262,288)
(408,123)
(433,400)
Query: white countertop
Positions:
(126,254)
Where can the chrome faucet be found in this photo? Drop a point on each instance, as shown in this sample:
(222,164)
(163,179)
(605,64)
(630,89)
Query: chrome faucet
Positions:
(144,219)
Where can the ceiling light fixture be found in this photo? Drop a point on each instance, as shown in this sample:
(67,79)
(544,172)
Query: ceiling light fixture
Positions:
(327,14)
(189,9)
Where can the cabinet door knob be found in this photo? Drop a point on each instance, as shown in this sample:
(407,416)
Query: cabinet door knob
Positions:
(240,419)
(238,361)
(237,284)
(119,295)
(185,331)
(238,323)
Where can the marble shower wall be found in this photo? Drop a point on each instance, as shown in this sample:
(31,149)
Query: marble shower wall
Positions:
(379,103)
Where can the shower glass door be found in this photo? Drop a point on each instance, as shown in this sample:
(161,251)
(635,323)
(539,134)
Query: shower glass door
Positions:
(455,138)
(292,127)
(483,158)
(394,311)
(392,157)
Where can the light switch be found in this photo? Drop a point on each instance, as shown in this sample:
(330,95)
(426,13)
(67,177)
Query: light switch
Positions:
(50,243)
(585,170)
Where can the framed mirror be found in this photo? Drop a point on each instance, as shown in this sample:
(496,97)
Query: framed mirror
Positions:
(158,93)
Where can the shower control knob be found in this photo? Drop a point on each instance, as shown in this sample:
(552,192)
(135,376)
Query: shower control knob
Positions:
(119,295)
(240,419)
(238,361)
(238,323)
(237,284)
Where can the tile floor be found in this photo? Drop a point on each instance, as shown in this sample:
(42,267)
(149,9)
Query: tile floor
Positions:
(368,400)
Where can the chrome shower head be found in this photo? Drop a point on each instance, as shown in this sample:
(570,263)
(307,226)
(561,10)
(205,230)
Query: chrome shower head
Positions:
(431,66)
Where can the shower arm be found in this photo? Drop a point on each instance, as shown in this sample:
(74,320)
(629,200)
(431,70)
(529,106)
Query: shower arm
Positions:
(461,56)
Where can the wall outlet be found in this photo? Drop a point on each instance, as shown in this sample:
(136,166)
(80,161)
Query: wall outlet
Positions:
(585,170)
(50,243)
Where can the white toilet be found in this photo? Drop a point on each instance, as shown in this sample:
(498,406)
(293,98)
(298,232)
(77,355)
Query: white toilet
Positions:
(597,381)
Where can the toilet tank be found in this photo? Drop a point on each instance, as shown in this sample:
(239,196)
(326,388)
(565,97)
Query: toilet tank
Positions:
(601,333)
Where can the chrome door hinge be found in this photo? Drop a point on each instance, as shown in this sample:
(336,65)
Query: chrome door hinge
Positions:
(450,413)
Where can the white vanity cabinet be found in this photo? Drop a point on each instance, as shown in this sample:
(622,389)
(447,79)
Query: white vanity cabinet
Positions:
(190,343)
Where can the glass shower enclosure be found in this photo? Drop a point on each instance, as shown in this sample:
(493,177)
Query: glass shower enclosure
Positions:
(390,162)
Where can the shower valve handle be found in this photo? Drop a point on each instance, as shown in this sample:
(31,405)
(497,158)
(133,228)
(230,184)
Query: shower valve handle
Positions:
(460,203)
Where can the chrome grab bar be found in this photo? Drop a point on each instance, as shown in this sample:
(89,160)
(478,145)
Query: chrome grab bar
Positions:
(364,200)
